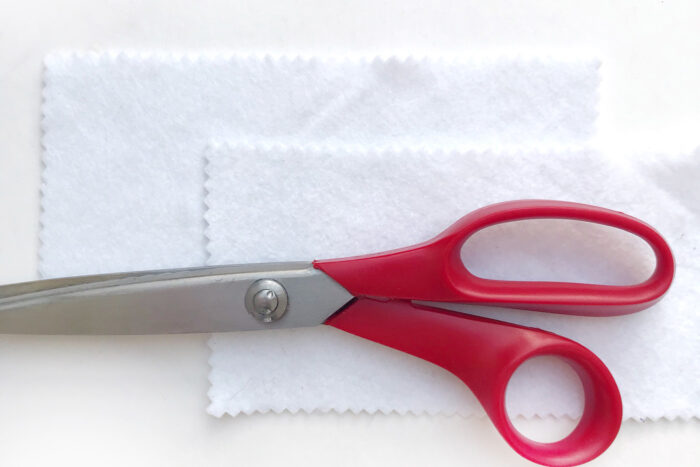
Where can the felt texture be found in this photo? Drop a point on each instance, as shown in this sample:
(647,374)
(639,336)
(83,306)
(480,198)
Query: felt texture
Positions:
(277,203)
(124,133)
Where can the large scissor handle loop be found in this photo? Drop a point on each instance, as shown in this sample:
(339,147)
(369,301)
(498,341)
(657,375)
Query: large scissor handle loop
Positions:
(434,271)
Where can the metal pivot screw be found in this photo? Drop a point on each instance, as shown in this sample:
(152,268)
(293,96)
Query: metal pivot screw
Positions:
(266,300)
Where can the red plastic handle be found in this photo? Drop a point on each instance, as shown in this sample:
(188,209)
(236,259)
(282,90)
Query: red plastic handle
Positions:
(484,354)
(433,271)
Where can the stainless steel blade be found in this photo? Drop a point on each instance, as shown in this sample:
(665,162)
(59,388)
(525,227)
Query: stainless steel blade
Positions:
(209,299)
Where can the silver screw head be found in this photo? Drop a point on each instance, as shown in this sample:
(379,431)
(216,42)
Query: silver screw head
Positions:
(266,300)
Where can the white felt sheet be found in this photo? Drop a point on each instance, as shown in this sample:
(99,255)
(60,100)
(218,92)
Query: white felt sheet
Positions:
(276,203)
(124,133)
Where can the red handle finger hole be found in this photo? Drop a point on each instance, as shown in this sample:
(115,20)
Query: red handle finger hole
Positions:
(595,430)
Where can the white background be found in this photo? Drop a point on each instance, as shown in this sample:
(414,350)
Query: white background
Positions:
(141,400)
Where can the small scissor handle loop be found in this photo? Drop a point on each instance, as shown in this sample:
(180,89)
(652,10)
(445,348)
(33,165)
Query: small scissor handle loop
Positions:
(484,354)
(434,270)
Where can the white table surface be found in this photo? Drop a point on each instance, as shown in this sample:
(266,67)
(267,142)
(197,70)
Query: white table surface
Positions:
(140,400)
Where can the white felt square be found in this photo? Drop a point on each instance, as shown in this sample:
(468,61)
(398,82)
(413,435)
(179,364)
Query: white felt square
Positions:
(278,203)
(124,133)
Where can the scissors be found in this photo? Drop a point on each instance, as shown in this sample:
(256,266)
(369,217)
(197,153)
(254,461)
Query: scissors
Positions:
(373,296)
